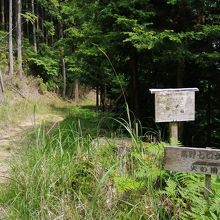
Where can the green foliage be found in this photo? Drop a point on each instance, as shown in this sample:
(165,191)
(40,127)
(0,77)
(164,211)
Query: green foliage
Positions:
(45,64)
(172,2)
(42,87)
(3,54)
(29,17)
(50,28)
(124,185)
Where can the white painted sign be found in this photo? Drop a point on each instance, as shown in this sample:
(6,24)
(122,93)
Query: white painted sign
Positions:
(193,160)
(173,105)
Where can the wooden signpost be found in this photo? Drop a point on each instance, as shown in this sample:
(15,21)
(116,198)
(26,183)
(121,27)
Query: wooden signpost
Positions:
(194,160)
(173,106)
(177,105)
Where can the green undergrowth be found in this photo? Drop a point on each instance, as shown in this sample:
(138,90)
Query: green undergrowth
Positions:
(84,170)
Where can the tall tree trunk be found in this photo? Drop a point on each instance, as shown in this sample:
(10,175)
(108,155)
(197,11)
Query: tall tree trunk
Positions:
(76,88)
(3,13)
(60,22)
(102,98)
(180,73)
(135,88)
(34,28)
(208,115)
(64,77)
(45,31)
(62,49)
(97,98)
(10,43)
(37,14)
(19,35)
(41,22)
(61,29)
(180,84)
(27,23)
(1,88)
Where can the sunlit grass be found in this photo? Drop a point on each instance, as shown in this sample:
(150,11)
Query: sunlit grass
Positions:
(83,169)
(13,111)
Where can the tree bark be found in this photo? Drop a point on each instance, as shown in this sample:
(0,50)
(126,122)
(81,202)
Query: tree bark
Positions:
(1,88)
(64,77)
(180,84)
(27,23)
(34,28)
(102,99)
(180,73)
(76,88)
(208,115)
(97,98)
(3,13)
(37,14)
(10,43)
(60,22)
(19,35)
(135,88)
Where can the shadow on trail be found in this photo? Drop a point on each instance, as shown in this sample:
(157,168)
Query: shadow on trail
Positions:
(61,110)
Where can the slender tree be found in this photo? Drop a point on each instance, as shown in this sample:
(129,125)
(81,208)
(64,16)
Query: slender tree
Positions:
(1,88)
(34,27)
(3,13)
(10,43)
(64,77)
(19,35)
(76,90)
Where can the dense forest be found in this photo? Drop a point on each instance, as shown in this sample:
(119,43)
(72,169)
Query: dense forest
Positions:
(121,49)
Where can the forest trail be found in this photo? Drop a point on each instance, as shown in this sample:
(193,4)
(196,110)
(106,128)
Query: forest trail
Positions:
(11,139)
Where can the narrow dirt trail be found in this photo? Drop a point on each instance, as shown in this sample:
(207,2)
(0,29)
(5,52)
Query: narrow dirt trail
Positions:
(11,138)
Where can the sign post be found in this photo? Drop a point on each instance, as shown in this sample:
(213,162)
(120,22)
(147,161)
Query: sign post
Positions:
(173,106)
(194,160)
(207,185)
(173,130)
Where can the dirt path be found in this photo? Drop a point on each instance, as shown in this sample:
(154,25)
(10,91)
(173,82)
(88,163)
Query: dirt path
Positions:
(10,142)
(12,136)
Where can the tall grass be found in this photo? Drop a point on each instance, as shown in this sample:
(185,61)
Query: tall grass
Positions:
(76,172)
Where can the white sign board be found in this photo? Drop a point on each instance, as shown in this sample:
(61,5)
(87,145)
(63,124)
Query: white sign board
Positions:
(173,105)
(193,160)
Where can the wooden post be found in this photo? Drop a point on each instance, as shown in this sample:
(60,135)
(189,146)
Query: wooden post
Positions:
(193,160)
(173,131)
(76,88)
(207,185)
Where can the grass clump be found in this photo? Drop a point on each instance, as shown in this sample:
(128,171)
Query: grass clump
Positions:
(78,172)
